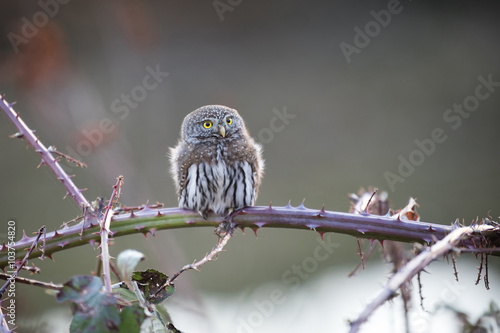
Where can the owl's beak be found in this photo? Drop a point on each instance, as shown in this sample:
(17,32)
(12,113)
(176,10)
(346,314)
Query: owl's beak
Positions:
(222,131)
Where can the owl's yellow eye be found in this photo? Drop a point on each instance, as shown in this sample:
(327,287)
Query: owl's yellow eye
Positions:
(207,124)
(229,120)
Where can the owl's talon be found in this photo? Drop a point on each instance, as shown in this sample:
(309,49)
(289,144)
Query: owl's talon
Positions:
(222,229)
(203,214)
(229,217)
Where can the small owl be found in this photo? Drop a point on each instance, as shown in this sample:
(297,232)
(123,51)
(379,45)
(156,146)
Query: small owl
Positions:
(216,165)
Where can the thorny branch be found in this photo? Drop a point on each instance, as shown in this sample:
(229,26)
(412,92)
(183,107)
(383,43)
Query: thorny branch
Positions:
(150,221)
(417,264)
(47,158)
(32,282)
(212,255)
(105,224)
(12,278)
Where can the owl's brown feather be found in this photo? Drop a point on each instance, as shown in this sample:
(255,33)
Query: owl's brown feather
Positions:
(213,172)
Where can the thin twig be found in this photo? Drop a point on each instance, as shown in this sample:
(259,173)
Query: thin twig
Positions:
(486,279)
(115,271)
(208,257)
(370,200)
(68,158)
(33,282)
(47,158)
(414,266)
(138,208)
(13,276)
(420,291)
(67,223)
(480,269)
(361,263)
(455,271)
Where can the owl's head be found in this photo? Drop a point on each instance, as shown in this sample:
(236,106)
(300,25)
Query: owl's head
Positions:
(211,123)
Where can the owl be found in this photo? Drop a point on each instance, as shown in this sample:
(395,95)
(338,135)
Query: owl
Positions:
(216,165)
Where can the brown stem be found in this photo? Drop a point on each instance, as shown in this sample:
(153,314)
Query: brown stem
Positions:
(47,158)
(105,225)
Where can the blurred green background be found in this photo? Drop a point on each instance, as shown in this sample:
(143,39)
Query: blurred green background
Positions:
(70,67)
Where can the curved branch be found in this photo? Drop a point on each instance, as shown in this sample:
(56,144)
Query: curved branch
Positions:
(149,220)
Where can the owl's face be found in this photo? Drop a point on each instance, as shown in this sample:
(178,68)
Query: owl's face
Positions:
(212,123)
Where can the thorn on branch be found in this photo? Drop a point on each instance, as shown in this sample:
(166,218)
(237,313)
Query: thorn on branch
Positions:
(16,135)
(301,206)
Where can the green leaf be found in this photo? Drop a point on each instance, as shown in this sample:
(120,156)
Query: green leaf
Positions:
(96,311)
(132,318)
(79,289)
(99,315)
(124,296)
(150,281)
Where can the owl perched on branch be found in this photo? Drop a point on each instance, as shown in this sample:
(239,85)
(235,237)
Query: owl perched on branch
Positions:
(216,166)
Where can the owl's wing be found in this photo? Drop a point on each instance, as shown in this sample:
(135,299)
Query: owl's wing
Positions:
(177,170)
(254,158)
